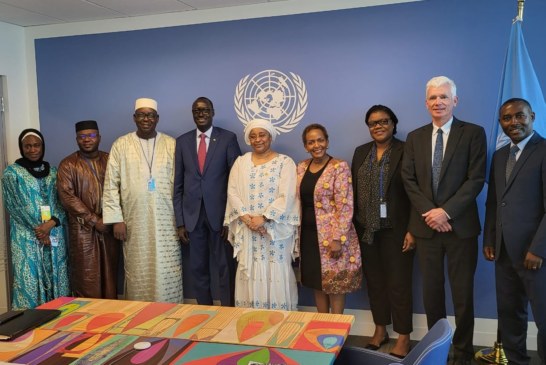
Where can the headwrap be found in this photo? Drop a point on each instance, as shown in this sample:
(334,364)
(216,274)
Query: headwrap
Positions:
(86,124)
(145,103)
(260,123)
(39,168)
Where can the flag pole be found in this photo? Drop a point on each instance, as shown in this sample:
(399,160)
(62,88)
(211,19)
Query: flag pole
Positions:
(521,5)
(495,354)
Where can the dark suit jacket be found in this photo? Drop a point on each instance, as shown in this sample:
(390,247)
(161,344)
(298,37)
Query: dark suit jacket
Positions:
(461,178)
(398,205)
(191,187)
(516,210)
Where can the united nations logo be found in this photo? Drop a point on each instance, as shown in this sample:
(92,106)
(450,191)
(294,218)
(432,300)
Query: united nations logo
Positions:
(271,95)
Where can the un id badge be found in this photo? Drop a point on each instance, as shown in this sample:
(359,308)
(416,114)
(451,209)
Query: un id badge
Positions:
(151,184)
(382,210)
(45,213)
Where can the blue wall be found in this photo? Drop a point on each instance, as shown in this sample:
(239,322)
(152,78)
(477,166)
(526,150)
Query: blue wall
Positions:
(349,60)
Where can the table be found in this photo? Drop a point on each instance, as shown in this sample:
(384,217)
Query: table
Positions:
(99,331)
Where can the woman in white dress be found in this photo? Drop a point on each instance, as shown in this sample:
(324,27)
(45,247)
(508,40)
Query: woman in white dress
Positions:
(263,216)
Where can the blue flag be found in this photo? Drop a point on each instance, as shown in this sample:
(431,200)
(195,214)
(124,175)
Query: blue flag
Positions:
(519,80)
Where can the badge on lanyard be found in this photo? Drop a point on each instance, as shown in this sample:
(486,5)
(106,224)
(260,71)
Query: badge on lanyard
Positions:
(383,210)
(54,241)
(45,213)
(151,184)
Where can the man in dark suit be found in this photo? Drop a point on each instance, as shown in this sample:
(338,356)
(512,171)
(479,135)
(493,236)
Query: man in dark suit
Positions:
(444,171)
(203,159)
(515,230)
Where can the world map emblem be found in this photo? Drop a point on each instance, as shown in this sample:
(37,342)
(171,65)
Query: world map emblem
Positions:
(271,95)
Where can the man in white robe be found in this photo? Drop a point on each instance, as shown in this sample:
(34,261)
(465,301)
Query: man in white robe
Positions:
(137,200)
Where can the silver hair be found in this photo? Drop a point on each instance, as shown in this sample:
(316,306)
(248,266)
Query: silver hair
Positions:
(439,81)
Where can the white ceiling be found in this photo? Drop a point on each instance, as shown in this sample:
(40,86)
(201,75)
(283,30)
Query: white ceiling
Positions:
(28,13)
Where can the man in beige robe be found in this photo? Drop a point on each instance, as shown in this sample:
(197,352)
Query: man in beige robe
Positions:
(137,200)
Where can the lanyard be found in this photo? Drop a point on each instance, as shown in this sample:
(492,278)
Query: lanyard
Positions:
(149,163)
(384,158)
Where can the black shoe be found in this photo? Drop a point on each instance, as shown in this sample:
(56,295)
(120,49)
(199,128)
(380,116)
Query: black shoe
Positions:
(396,355)
(400,356)
(373,347)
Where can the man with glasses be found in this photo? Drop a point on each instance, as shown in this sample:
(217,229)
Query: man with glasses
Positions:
(515,230)
(443,170)
(93,250)
(137,200)
(203,159)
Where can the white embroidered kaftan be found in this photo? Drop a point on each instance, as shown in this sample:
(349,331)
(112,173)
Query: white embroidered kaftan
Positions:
(153,262)
(265,278)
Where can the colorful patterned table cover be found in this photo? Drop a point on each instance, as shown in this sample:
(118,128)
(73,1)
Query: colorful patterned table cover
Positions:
(99,331)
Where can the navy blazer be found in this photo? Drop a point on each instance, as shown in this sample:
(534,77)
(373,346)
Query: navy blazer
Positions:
(516,210)
(191,188)
(461,178)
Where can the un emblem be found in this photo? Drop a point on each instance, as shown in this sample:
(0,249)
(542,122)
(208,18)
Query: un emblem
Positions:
(271,95)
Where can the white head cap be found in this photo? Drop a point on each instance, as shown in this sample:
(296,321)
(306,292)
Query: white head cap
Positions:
(146,103)
(260,123)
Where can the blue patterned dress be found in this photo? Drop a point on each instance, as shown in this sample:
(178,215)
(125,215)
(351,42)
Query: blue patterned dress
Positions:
(40,272)
(265,278)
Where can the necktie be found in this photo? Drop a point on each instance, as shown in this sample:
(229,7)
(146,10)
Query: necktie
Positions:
(437,161)
(202,152)
(511,161)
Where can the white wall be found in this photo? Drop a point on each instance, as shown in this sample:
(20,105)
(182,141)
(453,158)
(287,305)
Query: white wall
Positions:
(13,63)
(13,68)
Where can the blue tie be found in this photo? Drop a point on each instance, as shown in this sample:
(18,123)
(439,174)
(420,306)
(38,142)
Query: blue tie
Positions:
(511,161)
(437,161)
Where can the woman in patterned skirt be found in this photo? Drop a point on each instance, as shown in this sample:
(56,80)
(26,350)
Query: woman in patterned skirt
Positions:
(37,236)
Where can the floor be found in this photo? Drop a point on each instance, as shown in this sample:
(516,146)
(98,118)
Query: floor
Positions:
(362,341)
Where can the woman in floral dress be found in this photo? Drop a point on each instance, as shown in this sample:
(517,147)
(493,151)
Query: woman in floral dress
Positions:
(263,216)
(330,252)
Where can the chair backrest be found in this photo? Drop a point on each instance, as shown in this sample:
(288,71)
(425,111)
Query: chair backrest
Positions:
(433,348)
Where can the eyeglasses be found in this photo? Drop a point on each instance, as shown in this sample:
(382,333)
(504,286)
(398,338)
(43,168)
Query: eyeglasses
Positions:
(87,135)
(142,116)
(520,117)
(380,122)
(205,111)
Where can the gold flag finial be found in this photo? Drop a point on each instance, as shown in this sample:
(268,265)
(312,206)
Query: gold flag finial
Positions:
(521,4)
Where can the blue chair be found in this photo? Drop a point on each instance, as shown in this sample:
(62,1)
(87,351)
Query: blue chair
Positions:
(431,350)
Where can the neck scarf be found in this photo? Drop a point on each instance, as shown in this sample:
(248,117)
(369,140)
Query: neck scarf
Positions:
(369,192)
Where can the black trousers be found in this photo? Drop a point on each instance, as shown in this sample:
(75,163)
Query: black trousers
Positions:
(388,272)
(207,245)
(516,287)
(461,256)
